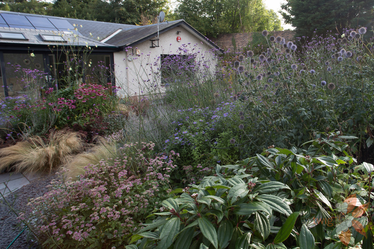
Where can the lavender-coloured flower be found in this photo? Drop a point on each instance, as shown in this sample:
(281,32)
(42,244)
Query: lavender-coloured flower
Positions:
(262,58)
(278,39)
(362,30)
(323,83)
(353,33)
(270,80)
(293,47)
(259,77)
(312,71)
(340,58)
(348,54)
(294,66)
(250,53)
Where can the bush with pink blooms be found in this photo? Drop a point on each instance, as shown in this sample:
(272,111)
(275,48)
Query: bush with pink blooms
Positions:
(106,205)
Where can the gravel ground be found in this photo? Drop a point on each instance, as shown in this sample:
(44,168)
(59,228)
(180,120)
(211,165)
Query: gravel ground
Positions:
(9,225)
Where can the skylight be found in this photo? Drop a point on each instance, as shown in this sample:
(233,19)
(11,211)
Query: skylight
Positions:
(52,38)
(12,36)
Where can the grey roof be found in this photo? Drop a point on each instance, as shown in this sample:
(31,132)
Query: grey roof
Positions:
(85,32)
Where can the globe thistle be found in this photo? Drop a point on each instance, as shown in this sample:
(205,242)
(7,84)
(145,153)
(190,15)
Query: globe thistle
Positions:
(278,39)
(357,36)
(276,84)
(283,42)
(294,66)
(323,83)
(352,34)
(269,60)
(340,58)
(252,60)
(265,33)
(329,69)
(312,71)
(241,57)
(270,80)
(254,63)
(246,73)
(362,30)
(327,63)
(236,64)
(293,47)
(358,58)
(342,52)
(313,86)
(262,58)
(331,86)
(339,41)
(269,51)
(350,38)
(344,41)
(268,73)
(250,53)
(288,56)
(272,38)
(232,141)
(302,71)
(287,50)
(241,113)
(348,54)
(241,69)
(289,44)
(259,77)
(241,126)
(277,73)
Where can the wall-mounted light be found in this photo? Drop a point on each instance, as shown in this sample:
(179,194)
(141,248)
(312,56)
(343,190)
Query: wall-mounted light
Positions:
(178,32)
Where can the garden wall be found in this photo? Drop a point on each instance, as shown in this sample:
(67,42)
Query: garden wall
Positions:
(241,39)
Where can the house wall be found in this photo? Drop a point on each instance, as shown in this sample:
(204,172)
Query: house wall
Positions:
(140,74)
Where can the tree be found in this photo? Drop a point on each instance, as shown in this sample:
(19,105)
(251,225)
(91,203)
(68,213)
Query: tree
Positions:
(321,15)
(31,6)
(214,17)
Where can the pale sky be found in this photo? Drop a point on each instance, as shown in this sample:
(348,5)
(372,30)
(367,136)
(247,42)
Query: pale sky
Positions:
(276,6)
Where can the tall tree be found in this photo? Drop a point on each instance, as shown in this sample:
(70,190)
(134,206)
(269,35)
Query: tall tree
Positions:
(322,15)
(214,17)
(30,6)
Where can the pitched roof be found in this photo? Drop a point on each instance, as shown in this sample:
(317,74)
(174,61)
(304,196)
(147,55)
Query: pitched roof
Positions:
(85,32)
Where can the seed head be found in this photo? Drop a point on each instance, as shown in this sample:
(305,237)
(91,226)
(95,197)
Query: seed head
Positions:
(312,71)
(323,83)
(241,69)
(272,38)
(232,141)
(288,50)
(348,54)
(265,33)
(328,69)
(241,57)
(294,66)
(252,60)
(362,30)
(358,58)
(259,77)
(340,58)
(357,36)
(278,39)
(327,63)
(262,58)
(270,80)
(236,64)
(353,33)
(331,86)
(249,53)
(241,126)
(289,44)
(293,47)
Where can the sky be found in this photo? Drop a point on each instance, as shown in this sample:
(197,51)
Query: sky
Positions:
(276,6)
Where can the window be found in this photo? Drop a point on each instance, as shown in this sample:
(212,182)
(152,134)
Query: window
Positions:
(175,67)
(52,38)
(12,36)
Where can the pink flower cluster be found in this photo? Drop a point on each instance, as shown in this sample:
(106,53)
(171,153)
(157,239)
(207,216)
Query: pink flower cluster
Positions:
(108,202)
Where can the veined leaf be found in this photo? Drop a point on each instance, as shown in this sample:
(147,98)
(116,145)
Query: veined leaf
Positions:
(156,224)
(219,199)
(328,161)
(276,203)
(208,230)
(202,246)
(262,225)
(131,247)
(238,191)
(252,207)
(170,204)
(235,181)
(270,187)
(323,198)
(169,231)
(286,229)
(184,239)
(306,238)
(225,231)
(150,235)
(264,161)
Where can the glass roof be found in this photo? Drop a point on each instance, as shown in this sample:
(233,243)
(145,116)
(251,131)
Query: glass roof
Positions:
(12,36)
(41,23)
(61,24)
(17,21)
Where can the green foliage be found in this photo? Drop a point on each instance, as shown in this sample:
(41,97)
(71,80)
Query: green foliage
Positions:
(216,17)
(321,16)
(228,210)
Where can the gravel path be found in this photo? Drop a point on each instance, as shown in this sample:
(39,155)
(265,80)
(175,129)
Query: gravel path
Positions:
(9,225)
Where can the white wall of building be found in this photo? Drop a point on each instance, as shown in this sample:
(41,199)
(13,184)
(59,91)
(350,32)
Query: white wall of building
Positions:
(139,74)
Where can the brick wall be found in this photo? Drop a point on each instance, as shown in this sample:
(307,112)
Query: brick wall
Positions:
(225,40)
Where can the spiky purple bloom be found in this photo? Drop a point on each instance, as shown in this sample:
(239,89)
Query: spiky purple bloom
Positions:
(323,83)
(294,66)
(362,30)
(353,33)
(250,53)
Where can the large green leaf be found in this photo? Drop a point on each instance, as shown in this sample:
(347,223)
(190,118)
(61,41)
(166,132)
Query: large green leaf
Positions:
(238,191)
(131,247)
(169,231)
(286,229)
(262,225)
(276,203)
(219,199)
(150,235)
(202,246)
(368,240)
(225,231)
(243,241)
(156,224)
(326,160)
(323,198)
(264,161)
(306,238)
(208,230)
(252,207)
(184,239)
(170,204)
(270,187)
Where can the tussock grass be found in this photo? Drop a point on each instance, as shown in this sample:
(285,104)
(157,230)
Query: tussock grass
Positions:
(37,155)
(77,164)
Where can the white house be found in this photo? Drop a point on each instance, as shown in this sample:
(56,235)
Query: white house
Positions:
(60,51)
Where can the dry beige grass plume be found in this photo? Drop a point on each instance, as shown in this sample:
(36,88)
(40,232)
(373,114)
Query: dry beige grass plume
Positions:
(76,165)
(37,155)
